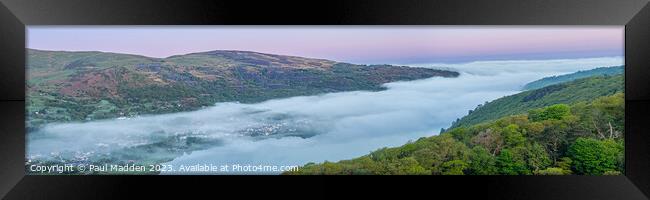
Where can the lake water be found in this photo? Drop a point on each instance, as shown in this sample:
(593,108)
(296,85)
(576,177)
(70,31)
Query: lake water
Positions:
(298,130)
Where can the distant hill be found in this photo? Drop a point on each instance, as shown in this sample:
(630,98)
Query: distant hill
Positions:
(74,86)
(573,76)
(585,89)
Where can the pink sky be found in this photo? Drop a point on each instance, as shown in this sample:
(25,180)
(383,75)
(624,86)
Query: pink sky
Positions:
(357,44)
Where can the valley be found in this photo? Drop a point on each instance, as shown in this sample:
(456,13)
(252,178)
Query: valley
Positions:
(290,130)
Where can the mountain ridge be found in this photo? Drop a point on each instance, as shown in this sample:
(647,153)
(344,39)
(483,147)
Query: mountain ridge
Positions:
(551,80)
(171,56)
(87,85)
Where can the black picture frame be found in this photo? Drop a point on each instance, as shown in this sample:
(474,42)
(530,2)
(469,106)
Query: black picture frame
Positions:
(634,14)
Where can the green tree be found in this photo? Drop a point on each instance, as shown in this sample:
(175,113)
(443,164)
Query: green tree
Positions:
(454,167)
(461,134)
(550,171)
(554,137)
(565,164)
(595,157)
(512,136)
(407,166)
(557,111)
(481,162)
(534,129)
(329,168)
(608,115)
(536,157)
(511,162)
(434,151)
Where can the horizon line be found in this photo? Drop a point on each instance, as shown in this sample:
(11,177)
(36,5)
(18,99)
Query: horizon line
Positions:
(235,50)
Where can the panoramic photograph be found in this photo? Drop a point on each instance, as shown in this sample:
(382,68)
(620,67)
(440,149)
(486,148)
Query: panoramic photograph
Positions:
(325,100)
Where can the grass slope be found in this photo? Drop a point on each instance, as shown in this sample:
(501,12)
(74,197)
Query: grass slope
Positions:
(568,93)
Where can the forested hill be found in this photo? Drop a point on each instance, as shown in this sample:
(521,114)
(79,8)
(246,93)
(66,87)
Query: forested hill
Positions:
(585,89)
(585,138)
(72,86)
(601,71)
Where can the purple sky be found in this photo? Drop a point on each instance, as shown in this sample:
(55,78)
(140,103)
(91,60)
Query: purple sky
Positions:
(356,44)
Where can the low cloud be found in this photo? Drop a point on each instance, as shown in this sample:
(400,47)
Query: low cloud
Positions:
(305,129)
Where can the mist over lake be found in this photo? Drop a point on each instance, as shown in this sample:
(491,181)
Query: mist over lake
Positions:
(298,130)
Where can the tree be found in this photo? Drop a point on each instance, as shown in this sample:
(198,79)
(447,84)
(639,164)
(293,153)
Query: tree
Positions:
(461,134)
(512,136)
(608,115)
(534,129)
(595,157)
(434,151)
(511,162)
(536,157)
(329,168)
(550,171)
(481,162)
(407,166)
(565,164)
(557,111)
(365,165)
(454,167)
(554,137)
(490,139)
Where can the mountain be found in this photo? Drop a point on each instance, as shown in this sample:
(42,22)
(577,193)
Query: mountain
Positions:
(601,71)
(585,89)
(73,86)
(584,138)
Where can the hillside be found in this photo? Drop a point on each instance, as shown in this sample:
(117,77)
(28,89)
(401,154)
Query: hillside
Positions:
(568,93)
(573,76)
(74,86)
(585,139)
